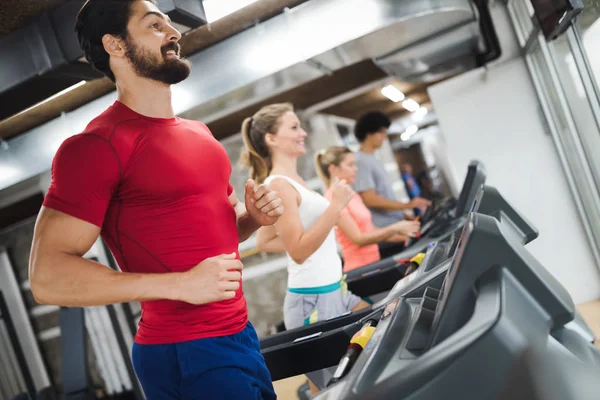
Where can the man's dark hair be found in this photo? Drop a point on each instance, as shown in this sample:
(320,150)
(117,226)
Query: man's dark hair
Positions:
(369,124)
(96,19)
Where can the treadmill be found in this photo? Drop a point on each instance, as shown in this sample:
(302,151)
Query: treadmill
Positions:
(380,276)
(437,221)
(540,375)
(464,340)
(334,333)
(446,221)
(328,339)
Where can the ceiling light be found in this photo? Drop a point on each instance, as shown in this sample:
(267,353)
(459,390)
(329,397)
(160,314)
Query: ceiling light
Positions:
(217,9)
(419,114)
(410,105)
(407,134)
(411,130)
(392,93)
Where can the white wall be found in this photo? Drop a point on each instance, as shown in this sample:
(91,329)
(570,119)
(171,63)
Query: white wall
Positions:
(494,116)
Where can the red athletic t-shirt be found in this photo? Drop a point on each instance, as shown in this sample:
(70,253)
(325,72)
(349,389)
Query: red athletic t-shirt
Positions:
(159,189)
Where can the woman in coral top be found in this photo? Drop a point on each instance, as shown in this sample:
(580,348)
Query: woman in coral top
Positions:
(355,232)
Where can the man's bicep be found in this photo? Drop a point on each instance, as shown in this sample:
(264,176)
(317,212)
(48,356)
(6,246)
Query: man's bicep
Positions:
(56,231)
(86,173)
(369,197)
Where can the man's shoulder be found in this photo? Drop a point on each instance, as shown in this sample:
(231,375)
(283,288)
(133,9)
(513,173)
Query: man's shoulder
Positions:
(197,126)
(103,136)
(365,160)
(109,121)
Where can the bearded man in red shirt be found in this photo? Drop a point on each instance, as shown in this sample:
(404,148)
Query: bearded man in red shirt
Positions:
(156,188)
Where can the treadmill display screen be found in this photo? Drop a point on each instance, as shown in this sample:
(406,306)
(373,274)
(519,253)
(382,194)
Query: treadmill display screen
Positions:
(473,181)
(462,198)
(450,275)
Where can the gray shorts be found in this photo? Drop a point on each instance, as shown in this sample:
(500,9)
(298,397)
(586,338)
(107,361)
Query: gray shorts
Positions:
(305,309)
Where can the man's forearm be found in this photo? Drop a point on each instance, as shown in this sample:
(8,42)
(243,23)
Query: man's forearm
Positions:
(73,281)
(382,203)
(246,226)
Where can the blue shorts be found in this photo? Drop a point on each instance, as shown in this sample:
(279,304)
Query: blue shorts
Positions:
(228,367)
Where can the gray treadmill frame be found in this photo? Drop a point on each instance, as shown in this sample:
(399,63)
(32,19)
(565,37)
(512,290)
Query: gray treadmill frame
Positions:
(521,310)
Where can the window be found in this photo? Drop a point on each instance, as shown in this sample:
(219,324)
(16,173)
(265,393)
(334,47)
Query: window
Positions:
(579,103)
(521,11)
(569,104)
(588,24)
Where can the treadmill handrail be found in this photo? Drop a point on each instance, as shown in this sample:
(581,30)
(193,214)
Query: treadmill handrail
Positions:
(489,201)
(381,264)
(294,358)
(320,326)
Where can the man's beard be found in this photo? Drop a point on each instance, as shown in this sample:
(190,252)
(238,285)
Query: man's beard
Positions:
(169,71)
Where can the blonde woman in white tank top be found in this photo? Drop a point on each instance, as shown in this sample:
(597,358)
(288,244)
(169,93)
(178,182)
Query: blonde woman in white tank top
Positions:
(274,140)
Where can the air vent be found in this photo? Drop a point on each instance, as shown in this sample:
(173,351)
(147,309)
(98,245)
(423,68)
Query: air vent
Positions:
(435,58)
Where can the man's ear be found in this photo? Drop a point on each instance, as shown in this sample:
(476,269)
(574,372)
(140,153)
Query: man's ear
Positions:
(113,45)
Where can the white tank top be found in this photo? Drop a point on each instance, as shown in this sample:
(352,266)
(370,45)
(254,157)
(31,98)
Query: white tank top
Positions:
(324,266)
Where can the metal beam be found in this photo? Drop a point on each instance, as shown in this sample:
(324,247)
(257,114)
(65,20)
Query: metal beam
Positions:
(347,96)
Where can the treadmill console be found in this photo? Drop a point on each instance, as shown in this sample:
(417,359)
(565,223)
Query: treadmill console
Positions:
(450,220)
(473,181)
(430,273)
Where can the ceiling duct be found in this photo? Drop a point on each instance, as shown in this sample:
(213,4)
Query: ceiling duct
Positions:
(445,54)
(318,30)
(40,60)
(451,53)
(188,13)
(306,30)
(44,57)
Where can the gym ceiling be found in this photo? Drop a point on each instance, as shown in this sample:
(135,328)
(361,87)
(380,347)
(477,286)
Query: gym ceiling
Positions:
(17,15)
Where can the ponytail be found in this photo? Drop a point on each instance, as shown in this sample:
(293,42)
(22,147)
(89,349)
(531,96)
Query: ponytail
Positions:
(260,165)
(322,168)
(256,154)
(325,158)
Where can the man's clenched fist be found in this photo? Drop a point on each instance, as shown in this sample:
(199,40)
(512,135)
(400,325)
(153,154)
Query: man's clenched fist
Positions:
(214,279)
(262,203)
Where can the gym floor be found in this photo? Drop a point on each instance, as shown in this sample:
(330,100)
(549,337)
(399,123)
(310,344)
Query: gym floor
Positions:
(286,388)
(591,314)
